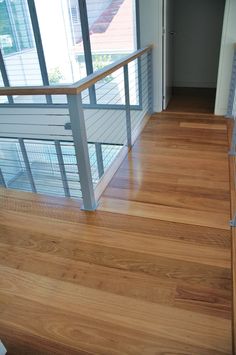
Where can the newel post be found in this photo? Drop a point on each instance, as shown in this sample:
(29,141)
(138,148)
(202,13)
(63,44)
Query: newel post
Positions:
(81,151)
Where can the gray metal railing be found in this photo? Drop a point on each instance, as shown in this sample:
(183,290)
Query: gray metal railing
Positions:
(231,110)
(74,150)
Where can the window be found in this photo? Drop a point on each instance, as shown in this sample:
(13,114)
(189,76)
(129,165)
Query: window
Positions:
(17,44)
(112,29)
(58,41)
(73,8)
(14,25)
(68,49)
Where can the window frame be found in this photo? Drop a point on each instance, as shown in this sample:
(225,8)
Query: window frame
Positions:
(87,54)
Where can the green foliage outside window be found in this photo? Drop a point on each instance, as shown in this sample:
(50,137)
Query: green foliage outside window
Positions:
(55,75)
(100,61)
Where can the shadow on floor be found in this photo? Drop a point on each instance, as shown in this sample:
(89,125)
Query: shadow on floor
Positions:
(192,100)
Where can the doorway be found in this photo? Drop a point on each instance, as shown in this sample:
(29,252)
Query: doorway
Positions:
(191,46)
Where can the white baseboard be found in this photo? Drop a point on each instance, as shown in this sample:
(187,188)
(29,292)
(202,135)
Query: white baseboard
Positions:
(140,127)
(109,173)
(157,108)
(118,160)
(220,111)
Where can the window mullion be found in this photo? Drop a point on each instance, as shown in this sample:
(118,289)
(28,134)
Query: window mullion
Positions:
(87,46)
(138,43)
(39,46)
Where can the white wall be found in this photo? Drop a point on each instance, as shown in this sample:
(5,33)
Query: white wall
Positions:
(198,27)
(151,32)
(226,57)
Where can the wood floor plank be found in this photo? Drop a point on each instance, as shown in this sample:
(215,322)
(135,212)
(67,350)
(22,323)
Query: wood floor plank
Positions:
(221,127)
(203,299)
(107,238)
(148,273)
(106,226)
(172,179)
(85,335)
(170,198)
(232,161)
(144,287)
(136,261)
(115,309)
(173,214)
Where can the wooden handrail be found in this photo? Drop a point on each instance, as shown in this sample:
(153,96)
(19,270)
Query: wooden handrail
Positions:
(77,87)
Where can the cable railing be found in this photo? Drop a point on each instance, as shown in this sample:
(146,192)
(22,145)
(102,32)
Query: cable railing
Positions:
(74,149)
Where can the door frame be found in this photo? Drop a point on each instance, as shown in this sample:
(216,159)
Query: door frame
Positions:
(163,43)
(220,74)
(167,46)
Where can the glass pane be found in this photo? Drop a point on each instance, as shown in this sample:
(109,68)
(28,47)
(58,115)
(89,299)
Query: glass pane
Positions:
(44,167)
(110,90)
(71,169)
(112,25)
(135,68)
(60,34)
(17,44)
(12,165)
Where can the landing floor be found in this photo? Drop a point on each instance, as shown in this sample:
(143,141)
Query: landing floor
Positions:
(198,100)
(148,273)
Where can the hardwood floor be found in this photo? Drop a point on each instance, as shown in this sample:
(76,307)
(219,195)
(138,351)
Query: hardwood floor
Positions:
(198,100)
(148,273)
(232,164)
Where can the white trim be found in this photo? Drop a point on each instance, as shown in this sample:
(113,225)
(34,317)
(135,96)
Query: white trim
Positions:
(226,57)
(151,32)
(108,175)
(140,127)
(220,111)
(217,109)
(110,172)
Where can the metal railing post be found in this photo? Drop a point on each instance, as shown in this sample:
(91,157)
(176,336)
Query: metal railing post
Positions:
(27,164)
(232,222)
(150,81)
(232,91)
(98,148)
(232,150)
(2,180)
(62,168)
(127,106)
(81,151)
